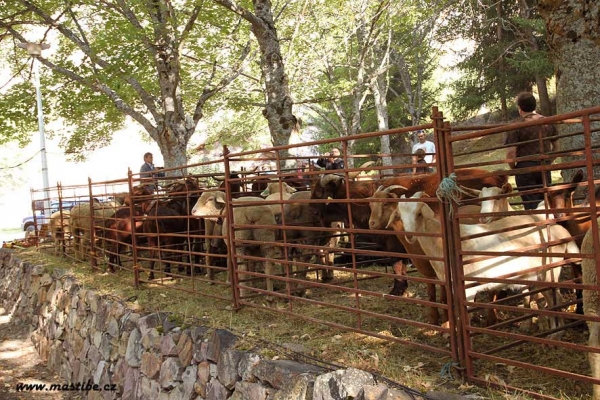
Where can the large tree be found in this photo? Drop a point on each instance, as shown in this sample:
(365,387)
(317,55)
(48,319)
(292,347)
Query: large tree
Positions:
(278,101)
(378,79)
(574,37)
(157,62)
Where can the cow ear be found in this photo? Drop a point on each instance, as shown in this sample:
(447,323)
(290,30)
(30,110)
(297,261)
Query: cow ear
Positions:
(265,192)
(220,199)
(427,211)
(393,217)
(506,188)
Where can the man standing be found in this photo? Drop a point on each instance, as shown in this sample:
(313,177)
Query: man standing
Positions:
(147,174)
(331,160)
(527,142)
(427,146)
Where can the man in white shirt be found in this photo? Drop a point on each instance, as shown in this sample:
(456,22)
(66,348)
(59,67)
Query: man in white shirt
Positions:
(427,146)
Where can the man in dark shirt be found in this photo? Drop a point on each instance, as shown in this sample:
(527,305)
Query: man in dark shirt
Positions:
(331,160)
(527,142)
(147,171)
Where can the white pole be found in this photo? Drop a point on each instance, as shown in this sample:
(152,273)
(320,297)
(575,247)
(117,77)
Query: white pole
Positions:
(40,113)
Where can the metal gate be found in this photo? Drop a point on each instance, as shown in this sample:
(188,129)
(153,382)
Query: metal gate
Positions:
(333,266)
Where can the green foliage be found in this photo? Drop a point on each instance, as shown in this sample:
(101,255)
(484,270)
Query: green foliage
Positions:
(105,65)
(509,51)
(18,114)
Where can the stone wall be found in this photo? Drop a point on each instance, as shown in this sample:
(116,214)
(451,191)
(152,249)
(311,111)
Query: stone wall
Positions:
(95,340)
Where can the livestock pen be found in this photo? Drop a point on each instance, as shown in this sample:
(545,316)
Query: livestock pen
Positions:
(332,266)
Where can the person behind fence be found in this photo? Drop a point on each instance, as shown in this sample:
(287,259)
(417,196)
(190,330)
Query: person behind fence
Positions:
(331,160)
(427,146)
(422,169)
(526,143)
(147,171)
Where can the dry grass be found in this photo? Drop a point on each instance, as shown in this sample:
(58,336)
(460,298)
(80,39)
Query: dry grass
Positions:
(274,333)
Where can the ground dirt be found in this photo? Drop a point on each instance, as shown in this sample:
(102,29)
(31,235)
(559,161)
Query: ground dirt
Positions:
(20,363)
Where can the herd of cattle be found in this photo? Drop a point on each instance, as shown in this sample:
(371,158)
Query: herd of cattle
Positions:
(311,216)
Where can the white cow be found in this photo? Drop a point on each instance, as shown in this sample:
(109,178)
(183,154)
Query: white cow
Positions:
(212,205)
(419,218)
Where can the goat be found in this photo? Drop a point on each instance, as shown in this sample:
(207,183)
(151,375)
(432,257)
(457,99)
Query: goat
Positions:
(277,191)
(212,205)
(381,212)
(332,186)
(298,214)
(182,196)
(577,225)
(117,234)
(578,222)
(491,204)
(60,229)
(160,227)
(418,217)
(591,304)
(81,227)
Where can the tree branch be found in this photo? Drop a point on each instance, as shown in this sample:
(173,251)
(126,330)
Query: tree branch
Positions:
(148,100)
(236,70)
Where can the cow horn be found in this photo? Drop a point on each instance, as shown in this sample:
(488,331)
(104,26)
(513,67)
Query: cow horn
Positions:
(330,178)
(392,187)
(354,174)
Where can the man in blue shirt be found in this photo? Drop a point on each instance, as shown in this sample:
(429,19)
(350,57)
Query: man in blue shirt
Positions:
(147,174)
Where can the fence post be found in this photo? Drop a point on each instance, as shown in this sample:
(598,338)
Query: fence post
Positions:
(450,231)
(92,249)
(62,248)
(232,266)
(134,249)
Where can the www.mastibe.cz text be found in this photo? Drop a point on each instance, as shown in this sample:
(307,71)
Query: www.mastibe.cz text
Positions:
(65,387)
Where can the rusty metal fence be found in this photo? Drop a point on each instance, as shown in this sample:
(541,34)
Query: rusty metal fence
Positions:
(322,257)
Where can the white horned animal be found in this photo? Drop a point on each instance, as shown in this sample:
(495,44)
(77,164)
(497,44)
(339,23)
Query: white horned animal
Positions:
(493,237)
(277,191)
(591,304)
(489,204)
(212,205)
(60,229)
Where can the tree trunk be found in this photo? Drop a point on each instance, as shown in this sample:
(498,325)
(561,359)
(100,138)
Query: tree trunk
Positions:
(545,105)
(173,144)
(278,109)
(379,90)
(279,102)
(574,39)
(501,67)
(540,81)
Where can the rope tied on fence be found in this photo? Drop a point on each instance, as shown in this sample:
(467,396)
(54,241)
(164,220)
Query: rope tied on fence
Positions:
(449,189)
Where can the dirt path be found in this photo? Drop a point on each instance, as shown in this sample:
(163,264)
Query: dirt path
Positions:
(20,363)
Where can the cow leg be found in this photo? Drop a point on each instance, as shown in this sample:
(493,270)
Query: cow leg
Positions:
(434,316)
(153,253)
(242,267)
(577,273)
(444,300)
(549,295)
(400,285)
(299,271)
(77,245)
